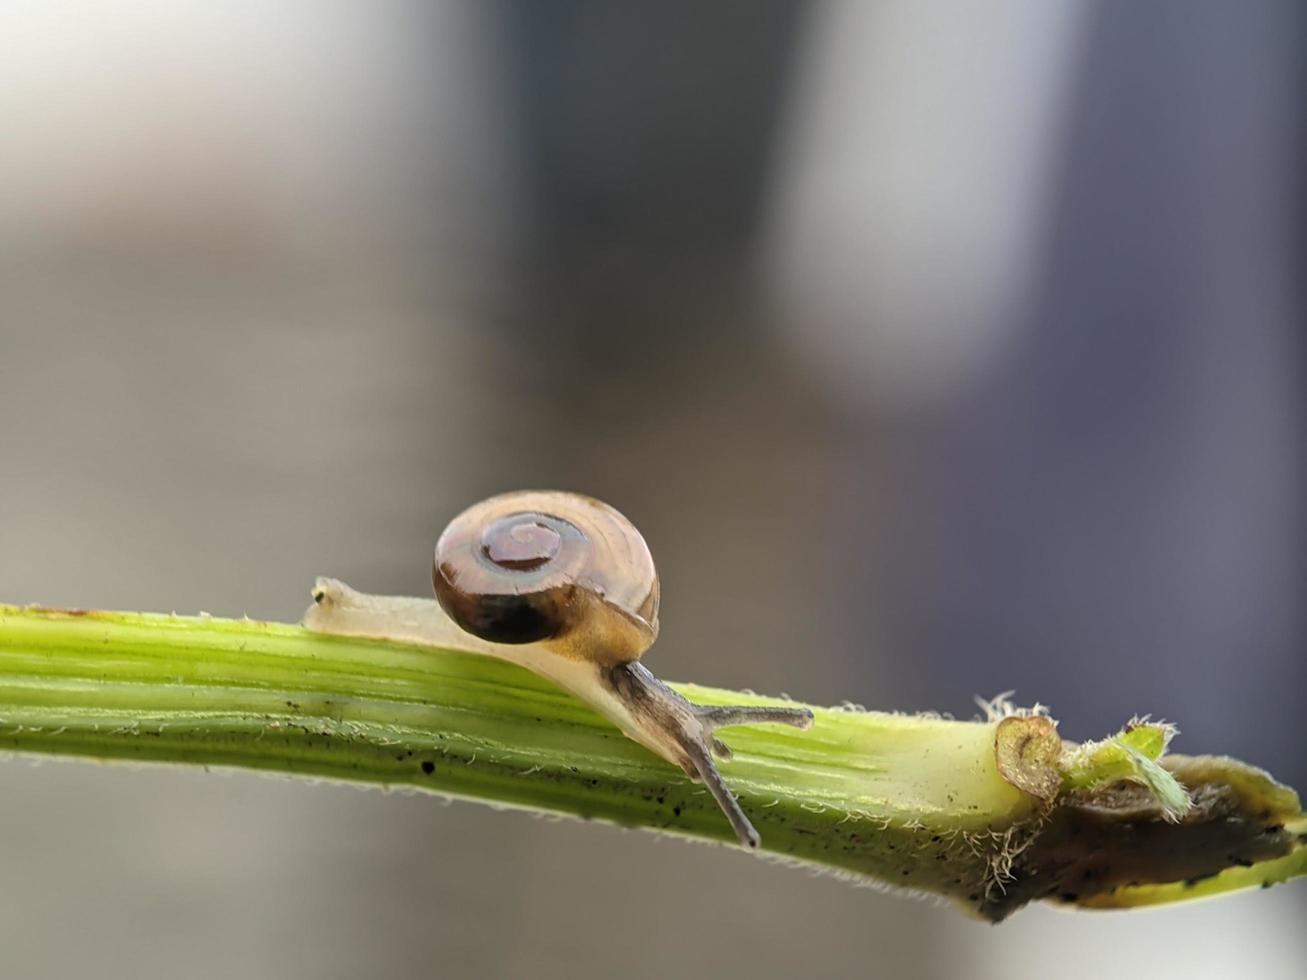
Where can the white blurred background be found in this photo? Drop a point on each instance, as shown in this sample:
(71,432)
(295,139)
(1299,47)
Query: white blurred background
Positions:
(937,350)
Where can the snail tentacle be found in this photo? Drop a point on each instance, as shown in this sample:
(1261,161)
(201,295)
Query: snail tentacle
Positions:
(682,732)
(706,772)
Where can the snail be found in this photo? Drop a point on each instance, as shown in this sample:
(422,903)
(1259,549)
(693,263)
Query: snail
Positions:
(563,585)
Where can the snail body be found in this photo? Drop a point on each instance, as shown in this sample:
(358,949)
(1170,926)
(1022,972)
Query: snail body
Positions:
(563,585)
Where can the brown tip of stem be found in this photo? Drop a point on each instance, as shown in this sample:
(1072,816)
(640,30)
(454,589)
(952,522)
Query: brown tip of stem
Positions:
(1027,750)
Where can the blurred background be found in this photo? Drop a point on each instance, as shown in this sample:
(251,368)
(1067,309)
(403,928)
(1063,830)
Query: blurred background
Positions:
(937,349)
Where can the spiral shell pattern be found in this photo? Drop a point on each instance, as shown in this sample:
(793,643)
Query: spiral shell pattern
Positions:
(549,567)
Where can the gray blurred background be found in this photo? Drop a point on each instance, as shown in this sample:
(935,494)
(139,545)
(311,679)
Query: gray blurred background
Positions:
(937,349)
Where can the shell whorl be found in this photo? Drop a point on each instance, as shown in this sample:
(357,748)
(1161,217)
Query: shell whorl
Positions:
(549,567)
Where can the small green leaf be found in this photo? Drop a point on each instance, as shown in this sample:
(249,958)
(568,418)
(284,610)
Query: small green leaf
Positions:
(1166,788)
(1131,754)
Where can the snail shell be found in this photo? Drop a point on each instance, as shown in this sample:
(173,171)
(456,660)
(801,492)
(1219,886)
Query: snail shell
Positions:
(549,567)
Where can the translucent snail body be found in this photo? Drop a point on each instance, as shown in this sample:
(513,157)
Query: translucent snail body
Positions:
(563,585)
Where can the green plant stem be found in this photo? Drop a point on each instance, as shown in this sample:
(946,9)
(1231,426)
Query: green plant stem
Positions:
(919,802)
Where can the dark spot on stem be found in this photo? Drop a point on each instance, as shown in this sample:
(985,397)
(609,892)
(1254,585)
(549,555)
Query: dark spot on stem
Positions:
(428,766)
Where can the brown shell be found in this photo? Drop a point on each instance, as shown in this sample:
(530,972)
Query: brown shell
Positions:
(553,567)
